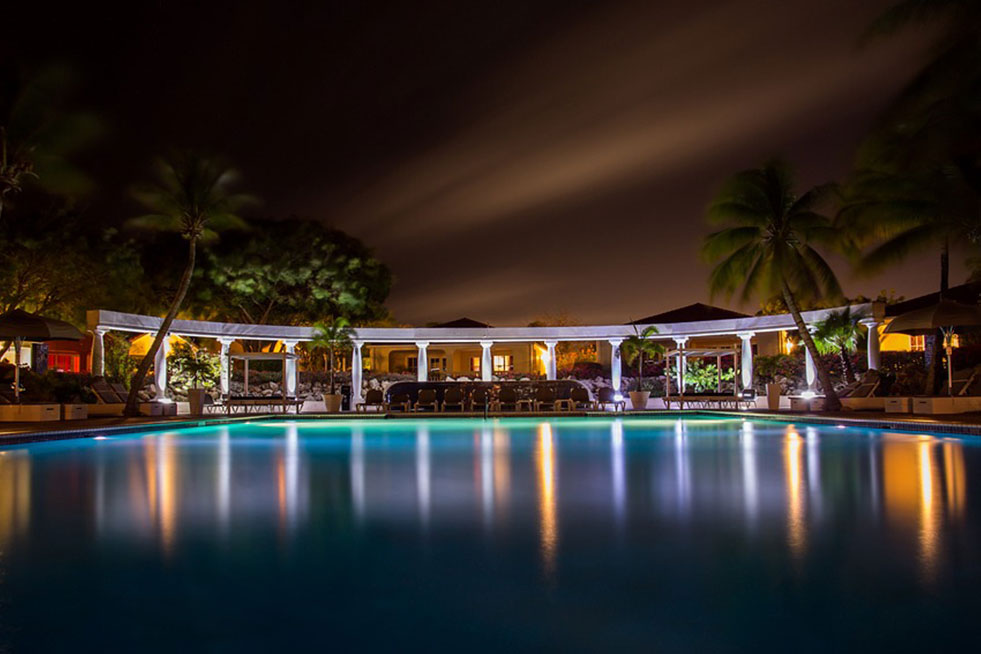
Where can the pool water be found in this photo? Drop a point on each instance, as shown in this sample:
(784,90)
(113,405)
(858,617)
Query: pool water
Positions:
(511,535)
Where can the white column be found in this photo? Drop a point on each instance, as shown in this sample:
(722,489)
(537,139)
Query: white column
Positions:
(746,362)
(616,363)
(99,353)
(682,363)
(160,368)
(873,346)
(486,361)
(225,344)
(291,369)
(357,366)
(423,360)
(810,372)
(550,364)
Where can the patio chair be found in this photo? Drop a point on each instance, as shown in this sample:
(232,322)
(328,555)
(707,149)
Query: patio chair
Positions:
(607,397)
(373,398)
(480,397)
(544,397)
(426,400)
(507,400)
(453,399)
(400,401)
(581,400)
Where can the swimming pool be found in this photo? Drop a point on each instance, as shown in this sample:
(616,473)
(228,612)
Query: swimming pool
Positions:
(653,534)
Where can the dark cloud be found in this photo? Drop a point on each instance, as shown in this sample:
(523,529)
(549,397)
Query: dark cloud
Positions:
(507,159)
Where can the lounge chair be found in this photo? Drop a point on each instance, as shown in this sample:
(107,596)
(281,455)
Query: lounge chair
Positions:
(544,397)
(400,401)
(426,400)
(607,397)
(860,395)
(373,398)
(453,399)
(481,397)
(579,397)
(507,400)
(957,400)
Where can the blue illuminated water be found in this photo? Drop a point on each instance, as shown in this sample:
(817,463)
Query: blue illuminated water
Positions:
(571,534)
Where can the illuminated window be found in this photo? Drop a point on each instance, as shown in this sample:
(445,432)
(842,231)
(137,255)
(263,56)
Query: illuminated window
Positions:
(503,363)
(63,362)
(412,363)
(917,343)
(437,363)
(474,364)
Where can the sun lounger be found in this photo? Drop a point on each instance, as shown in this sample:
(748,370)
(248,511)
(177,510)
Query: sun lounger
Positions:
(399,401)
(479,398)
(579,397)
(544,399)
(607,397)
(453,399)
(426,400)
(375,399)
(958,400)
(860,395)
(507,400)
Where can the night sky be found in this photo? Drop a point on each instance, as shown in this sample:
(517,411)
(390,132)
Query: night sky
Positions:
(506,160)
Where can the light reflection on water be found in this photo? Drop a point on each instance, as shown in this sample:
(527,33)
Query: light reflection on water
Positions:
(549,489)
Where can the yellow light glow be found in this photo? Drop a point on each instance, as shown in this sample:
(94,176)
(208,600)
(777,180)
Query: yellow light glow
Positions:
(140,345)
(15,496)
(796,518)
(546,505)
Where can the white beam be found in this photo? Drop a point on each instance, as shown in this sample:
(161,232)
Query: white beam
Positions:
(357,366)
(550,369)
(746,363)
(423,361)
(616,364)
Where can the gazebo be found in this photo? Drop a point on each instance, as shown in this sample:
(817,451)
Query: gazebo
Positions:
(289,384)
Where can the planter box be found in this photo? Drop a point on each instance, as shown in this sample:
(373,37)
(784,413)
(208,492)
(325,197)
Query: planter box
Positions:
(30,412)
(798,403)
(899,405)
(74,411)
(940,405)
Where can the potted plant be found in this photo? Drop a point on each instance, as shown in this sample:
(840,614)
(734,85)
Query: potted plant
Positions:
(635,348)
(200,368)
(330,338)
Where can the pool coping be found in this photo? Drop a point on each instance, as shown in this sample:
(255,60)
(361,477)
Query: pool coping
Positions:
(921,425)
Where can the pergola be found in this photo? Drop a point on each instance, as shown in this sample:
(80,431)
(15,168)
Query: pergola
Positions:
(682,355)
(288,359)
(743,328)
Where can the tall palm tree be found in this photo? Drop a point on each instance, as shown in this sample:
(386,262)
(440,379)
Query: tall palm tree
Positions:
(765,247)
(636,346)
(838,334)
(330,338)
(193,197)
(37,134)
(917,183)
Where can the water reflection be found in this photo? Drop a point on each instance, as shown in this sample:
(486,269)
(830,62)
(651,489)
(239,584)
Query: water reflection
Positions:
(15,495)
(794,463)
(545,457)
(500,479)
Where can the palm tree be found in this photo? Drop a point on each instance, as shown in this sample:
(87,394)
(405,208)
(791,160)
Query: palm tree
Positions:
(839,333)
(766,247)
(192,197)
(37,134)
(917,183)
(330,338)
(636,346)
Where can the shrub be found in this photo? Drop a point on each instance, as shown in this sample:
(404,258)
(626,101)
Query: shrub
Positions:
(585,370)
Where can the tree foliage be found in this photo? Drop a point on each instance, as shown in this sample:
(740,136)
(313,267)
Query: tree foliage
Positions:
(38,133)
(292,272)
(766,246)
(838,334)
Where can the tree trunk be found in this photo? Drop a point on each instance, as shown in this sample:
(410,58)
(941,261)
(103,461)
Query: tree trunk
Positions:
(936,347)
(831,401)
(330,358)
(846,365)
(132,408)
